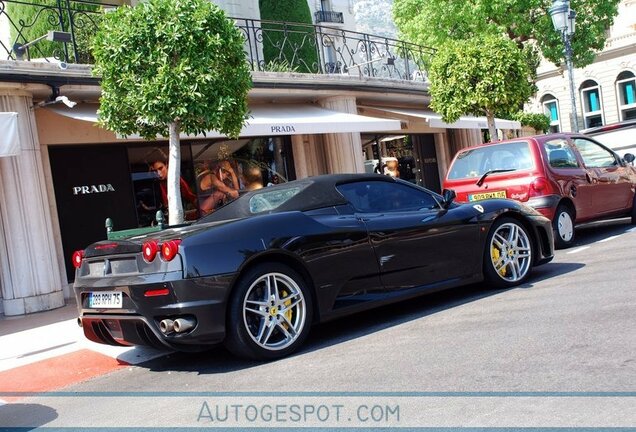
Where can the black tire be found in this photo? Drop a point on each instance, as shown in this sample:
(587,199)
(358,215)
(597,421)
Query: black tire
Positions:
(634,211)
(270,313)
(508,254)
(563,227)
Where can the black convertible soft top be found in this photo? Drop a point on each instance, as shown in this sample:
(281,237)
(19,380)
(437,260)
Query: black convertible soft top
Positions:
(315,192)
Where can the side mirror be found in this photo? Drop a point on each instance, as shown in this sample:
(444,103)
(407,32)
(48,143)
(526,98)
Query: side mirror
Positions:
(449,196)
(629,158)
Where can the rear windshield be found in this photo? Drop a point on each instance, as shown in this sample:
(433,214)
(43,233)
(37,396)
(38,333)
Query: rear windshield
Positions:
(476,161)
(269,200)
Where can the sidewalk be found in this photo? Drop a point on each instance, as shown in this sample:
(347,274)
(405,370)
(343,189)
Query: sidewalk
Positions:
(47,351)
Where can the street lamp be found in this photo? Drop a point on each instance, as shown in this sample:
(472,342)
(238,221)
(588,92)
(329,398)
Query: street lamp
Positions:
(564,21)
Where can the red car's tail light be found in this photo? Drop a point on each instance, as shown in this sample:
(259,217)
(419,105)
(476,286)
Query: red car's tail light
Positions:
(169,249)
(539,186)
(149,250)
(78,256)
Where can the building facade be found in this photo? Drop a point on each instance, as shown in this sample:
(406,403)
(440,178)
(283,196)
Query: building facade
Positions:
(605,90)
(363,109)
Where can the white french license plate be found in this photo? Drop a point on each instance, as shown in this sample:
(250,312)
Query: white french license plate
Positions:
(105,300)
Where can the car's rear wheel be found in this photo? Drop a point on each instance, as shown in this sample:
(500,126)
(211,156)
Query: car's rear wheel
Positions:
(563,225)
(634,211)
(270,313)
(508,254)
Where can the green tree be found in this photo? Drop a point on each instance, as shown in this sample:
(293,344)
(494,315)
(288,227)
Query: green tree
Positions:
(537,121)
(293,44)
(485,75)
(169,66)
(433,22)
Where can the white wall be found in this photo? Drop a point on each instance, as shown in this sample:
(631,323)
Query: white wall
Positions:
(240,8)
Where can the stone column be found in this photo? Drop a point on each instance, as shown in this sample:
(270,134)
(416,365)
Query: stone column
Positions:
(30,276)
(343,152)
(309,160)
(443,155)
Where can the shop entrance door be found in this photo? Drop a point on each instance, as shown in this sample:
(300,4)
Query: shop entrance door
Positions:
(424,145)
(91,184)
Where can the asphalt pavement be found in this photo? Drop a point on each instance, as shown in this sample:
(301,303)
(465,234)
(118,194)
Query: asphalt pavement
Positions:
(562,343)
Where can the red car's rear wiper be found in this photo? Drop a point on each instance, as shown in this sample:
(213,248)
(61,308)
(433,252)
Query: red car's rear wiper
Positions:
(487,173)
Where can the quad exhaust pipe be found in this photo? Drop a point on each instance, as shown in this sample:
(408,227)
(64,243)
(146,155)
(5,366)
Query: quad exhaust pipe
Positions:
(184,324)
(166,326)
(179,325)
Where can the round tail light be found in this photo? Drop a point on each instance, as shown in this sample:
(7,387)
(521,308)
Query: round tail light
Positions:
(540,186)
(149,250)
(169,249)
(78,256)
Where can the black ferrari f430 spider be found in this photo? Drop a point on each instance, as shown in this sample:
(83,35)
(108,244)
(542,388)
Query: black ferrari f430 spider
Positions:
(258,272)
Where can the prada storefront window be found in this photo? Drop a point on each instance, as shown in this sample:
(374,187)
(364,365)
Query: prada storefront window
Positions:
(225,168)
(213,172)
(123,182)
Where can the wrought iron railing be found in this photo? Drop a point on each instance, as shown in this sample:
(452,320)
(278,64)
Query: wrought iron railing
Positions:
(269,46)
(329,17)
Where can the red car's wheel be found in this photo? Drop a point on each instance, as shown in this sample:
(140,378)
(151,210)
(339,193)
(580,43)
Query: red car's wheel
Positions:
(563,225)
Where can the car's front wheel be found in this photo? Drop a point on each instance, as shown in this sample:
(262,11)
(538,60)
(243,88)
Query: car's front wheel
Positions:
(508,255)
(270,313)
(634,211)
(563,225)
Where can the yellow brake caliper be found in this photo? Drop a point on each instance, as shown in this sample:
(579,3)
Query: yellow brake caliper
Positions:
(496,254)
(289,313)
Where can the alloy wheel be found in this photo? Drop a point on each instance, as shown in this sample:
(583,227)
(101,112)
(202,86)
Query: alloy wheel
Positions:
(511,252)
(274,311)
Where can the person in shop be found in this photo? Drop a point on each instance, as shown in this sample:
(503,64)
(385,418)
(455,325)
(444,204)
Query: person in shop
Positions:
(252,178)
(391,167)
(158,162)
(218,185)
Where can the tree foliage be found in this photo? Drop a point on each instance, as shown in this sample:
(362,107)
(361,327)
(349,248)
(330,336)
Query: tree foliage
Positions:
(294,44)
(433,22)
(485,75)
(539,122)
(170,66)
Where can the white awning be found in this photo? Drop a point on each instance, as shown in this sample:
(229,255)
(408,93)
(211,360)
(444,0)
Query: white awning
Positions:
(271,120)
(434,120)
(9,140)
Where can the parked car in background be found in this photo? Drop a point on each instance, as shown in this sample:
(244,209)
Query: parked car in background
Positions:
(620,137)
(569,178)
(258,272)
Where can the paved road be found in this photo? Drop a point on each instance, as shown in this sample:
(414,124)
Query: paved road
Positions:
(557,351)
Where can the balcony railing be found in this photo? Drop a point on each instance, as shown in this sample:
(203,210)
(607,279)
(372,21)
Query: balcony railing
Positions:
(329,17)
(269,46)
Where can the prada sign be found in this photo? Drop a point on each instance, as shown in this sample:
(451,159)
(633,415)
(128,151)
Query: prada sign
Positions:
(92,189)
(283,129)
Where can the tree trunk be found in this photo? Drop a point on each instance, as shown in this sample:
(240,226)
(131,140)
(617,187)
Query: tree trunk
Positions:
(491,127)
(175,206)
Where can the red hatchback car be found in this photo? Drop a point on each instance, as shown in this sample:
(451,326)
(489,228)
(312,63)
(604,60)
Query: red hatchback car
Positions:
(569,178)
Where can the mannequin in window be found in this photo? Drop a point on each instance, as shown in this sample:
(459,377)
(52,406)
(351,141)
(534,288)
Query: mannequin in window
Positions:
(218,184)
